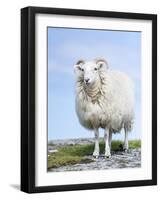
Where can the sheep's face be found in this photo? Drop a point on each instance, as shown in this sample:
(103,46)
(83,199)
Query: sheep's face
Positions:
(89,72)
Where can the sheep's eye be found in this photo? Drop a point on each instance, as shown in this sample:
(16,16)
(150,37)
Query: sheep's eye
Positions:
(95,69)
(81,69)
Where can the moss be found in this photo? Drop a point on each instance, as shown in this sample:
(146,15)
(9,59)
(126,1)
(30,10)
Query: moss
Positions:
(58,161)
(134,144)
(117,145)
(70,155)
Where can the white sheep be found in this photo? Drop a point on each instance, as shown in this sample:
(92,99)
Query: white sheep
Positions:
(104,99)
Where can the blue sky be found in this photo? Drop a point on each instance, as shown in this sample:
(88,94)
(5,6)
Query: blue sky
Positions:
(65,46)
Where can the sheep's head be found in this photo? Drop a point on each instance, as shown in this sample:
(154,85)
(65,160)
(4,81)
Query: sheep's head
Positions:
(89,72)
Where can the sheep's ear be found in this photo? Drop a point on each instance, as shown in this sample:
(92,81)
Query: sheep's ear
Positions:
(102,63)
(79,64)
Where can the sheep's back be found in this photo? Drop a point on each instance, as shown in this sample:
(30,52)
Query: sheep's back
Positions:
(122,100)
(122,91)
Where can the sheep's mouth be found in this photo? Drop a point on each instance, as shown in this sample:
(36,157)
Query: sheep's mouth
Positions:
(88,83)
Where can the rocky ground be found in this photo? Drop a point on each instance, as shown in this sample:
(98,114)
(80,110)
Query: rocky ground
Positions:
(119,159)
(54,144)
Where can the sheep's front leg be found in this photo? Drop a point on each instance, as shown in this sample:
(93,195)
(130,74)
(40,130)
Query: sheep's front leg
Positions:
(107,146)
(96,149)
(126,145)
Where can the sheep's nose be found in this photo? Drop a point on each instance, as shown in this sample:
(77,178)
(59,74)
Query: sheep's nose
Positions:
(87,80)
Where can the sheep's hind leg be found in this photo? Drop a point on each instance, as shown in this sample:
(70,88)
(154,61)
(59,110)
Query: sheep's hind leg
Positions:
(126,145)
(110,138)
(107,146)
(96,149)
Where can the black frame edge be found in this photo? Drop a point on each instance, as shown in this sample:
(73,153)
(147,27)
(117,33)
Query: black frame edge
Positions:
(154,99)
(24,100)
(92,13)
(93,186)
(27,101)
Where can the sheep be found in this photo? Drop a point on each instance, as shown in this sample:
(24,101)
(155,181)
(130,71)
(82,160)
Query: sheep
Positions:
(104,99)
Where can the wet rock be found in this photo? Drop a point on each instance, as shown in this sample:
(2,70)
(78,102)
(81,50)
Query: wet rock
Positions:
(52,151)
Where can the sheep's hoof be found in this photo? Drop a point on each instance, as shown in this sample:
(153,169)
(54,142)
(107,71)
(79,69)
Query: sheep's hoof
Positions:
(125,148)
(95,155)
(107,156)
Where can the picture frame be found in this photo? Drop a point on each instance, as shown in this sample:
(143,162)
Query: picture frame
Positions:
(29,98)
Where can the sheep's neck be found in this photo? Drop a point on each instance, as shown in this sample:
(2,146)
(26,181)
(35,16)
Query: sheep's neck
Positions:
(93,92)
